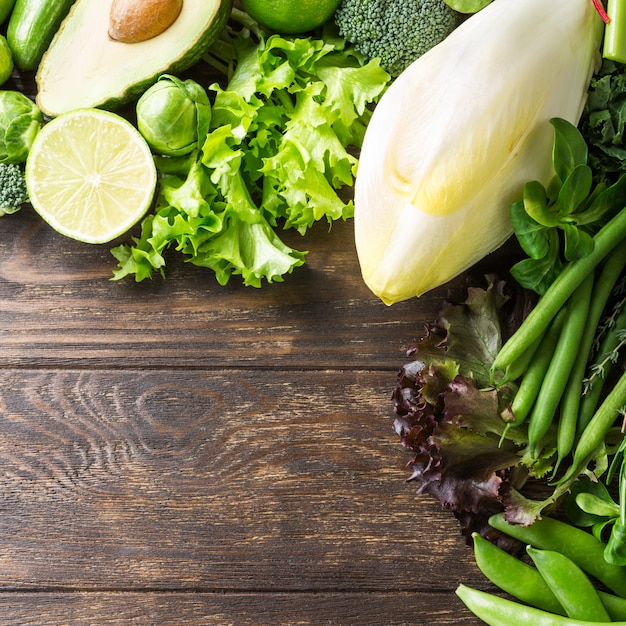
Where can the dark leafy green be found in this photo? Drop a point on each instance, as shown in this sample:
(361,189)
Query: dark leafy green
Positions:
(449,416)
(603,123)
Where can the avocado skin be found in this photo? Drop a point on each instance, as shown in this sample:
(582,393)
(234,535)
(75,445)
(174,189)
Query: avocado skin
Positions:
(55,68)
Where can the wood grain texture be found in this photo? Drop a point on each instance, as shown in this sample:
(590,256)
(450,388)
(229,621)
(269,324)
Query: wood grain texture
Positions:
(231,609)
(175,452)
(260,481)
(59,307)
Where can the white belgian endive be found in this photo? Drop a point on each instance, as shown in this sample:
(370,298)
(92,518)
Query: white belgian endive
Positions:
(457,135)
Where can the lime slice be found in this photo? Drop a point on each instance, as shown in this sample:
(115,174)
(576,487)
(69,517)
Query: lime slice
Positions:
(90,175)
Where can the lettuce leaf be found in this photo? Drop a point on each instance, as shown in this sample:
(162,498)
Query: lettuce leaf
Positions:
(451,419)
(280,149)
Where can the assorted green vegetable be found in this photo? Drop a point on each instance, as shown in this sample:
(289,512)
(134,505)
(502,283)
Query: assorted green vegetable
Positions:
(31,28)
(556,379)
(277,151)
(521,378)
(395,31)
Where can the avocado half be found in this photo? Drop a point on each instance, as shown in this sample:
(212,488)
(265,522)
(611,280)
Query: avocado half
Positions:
(83,67)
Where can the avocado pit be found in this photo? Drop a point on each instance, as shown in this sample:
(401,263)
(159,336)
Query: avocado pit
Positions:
(133,21)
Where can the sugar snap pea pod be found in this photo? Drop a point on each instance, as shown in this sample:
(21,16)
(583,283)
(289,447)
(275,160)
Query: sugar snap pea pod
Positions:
(615,606)
(571,586)
(525,583)
(497,611)
(512,575)
(575,543)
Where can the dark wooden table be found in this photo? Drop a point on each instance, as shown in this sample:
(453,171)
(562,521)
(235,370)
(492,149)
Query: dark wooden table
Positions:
(176,452)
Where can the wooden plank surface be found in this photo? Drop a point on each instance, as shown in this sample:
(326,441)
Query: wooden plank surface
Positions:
(176,452)
(213,455)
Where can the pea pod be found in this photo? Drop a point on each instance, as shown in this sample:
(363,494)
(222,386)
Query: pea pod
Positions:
(596,430)
(512,575)
(615,606)
(574,591)
(497,611)
(578,545)
(526,584)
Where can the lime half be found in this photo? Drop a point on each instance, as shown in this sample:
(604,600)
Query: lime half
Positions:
(90,175)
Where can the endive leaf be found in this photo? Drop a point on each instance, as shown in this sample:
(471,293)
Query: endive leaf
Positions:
(457,135)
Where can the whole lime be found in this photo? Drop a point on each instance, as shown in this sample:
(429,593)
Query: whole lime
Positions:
(6,60)
(290,17)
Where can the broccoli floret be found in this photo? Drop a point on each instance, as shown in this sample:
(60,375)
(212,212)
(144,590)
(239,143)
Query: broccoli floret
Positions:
(13,192)
(395,31)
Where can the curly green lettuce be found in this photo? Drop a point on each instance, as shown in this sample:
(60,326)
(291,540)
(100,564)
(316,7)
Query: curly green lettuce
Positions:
(281,146)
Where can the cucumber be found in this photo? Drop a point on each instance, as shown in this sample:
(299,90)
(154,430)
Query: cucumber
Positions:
(31,28)
(6,6)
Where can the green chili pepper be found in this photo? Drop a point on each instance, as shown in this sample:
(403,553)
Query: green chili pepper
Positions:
(575,543)
(571,586)
(497,611)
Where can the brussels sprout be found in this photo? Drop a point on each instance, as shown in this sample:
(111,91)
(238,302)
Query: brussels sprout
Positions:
(20,121)
(173,116)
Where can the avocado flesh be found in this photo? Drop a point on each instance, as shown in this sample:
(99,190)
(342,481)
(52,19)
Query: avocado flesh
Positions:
(83,67)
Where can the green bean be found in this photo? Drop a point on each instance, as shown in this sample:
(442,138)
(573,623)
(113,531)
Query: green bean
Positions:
(517,369)
(575,543)
(590,400)
(570,404)
(571,586)
(596,430)
(497,611)
(536,371)
(573,274)
(563,359)
(568,419)
(512,575)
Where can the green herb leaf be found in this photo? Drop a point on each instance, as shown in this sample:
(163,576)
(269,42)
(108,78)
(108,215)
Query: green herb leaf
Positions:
(569,149)
(536,204)
(578,243)
(575,190)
